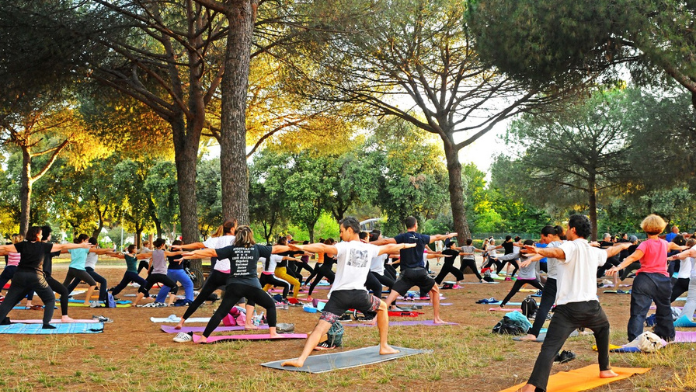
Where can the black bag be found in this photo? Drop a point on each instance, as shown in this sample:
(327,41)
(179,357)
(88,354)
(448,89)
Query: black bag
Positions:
(507,326)
(529,307)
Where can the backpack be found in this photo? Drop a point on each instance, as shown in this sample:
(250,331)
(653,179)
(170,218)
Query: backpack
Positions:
(335,334)
(508,326)
(529,307)
(110,302)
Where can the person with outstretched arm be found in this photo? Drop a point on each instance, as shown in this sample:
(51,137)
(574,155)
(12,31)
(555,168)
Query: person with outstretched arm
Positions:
(348,290)
(413,272)
(577,304)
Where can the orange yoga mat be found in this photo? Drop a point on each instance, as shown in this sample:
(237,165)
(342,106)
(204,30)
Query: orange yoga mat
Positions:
(583,379)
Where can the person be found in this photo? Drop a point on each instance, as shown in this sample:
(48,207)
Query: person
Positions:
(268,279)
(378,275)
(303,262)
(55,285)
(673,233)
(682,283)
(30,275)
(674,266)
(468,259)
(451,252)
(131,274)
(652,281)
(348,290)
(553,237)
(323,268)
(90,263)
(157,269)
(527,276)
(242,281)
(577,304)
(175,271)
(284,271)
(413,272)
(78,268)
(633,240)
(611,262)
(491,256)
(11,262)
(689,256)
(510,256)
(145,263)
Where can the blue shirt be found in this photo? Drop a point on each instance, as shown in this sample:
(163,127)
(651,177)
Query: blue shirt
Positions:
(669,237)
(412,257)
(78,257)
(541,245)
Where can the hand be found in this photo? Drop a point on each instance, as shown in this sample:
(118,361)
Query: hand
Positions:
(671,258)
(450,235)
(406,246)
(530,249)
(612,271)
(188,255)
(525,263)
(296,247)
(176,247)
(594,244)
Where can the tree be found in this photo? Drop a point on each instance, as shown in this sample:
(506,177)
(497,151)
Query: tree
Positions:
(209,196)
(385,54)
(568,42)
(584,149)
(160,184)
(268,201)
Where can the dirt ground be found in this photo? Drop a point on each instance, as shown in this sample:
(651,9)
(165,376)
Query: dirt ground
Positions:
(132,354)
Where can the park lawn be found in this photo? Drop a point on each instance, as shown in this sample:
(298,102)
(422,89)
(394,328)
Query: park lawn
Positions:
(133,355)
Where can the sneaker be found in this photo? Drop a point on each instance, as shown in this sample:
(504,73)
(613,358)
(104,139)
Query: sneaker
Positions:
(564,356)
(182,337)
(103,319)
(95,304)
(324,346)
(507,279)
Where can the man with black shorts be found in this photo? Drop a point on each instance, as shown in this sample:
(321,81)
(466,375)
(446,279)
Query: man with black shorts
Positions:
(413,272)
(348,290)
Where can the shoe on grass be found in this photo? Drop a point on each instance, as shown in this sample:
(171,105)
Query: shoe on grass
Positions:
(183,337)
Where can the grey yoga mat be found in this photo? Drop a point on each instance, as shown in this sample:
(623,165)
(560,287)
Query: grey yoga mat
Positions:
(345,360)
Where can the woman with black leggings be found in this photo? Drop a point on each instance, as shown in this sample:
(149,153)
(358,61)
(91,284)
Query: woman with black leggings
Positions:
(158,273)
(30,275)
(242,281)
(325,271)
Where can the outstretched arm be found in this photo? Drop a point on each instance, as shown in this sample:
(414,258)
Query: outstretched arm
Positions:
(394,248)
(681,256)
(198,254)
(441,237)
(8,249)
(193,245)
(616,249)
(100,251)
(637,255)
(384,241)
(57,247)
(556,253)
(316,248)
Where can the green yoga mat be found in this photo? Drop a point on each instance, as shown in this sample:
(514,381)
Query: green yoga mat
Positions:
(82,305)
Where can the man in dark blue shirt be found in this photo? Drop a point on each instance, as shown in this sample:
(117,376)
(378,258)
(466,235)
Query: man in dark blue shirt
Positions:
(413,272)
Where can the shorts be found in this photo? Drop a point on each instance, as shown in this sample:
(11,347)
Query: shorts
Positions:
(413,277)
(342,300)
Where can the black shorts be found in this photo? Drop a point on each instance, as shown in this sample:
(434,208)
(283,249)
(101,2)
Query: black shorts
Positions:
(342,300)
(413,277)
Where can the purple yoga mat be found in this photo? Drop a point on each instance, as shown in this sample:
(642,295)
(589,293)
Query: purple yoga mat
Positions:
(170,329)
(682,337)
(407,303)
(504,310)
(401,323)
(215,339)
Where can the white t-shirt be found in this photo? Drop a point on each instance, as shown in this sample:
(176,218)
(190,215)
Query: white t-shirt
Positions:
(688,263)
(577,274)
(551,263)
(217,243)
(491,250)
(275,259)
(377,264)
(91,260)
(354,259)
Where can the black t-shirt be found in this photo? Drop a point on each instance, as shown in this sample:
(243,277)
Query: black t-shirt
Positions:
(508,246)
(48,262)
(243,262)
(174,265)
(33,254)
(412,257)
(451,256)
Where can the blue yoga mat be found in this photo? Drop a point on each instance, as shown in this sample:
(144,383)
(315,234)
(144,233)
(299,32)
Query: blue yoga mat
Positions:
(684,322)
(24,308)
(61,328)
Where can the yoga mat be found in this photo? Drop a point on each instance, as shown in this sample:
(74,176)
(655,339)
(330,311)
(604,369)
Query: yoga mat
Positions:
(405,314)
(79,301)
(681,337)
(504,310)
(429,323)
(53,321)
(258,336)
(500,302)
(82,305)
(684,322)
(78,291)
(407,303)
(25,308)
(680,299)
(615,292)
(583,379)
(344,360)
(168,329)
(175,319)
(542,336)
(479,283)
(528,290)
(66,328)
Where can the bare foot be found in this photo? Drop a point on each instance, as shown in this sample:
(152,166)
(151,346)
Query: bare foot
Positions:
(250,327)
(66,319)
(87,303)
(180,325)
(529,338)
(528,388)
(607,374)
(275,335)
(439,321)
(203,340)
(295,363)
(386,350)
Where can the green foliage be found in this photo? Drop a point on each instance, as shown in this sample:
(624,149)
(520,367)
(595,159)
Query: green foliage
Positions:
(209,194)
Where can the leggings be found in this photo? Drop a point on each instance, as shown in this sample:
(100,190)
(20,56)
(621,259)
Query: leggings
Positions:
(513,263)
(282,273)
(177,275)
(491,261)
(303,265)
(128,277)
(390,271)
(631,267)
(518,285)
(565,320)
(372,283)
(314,273)
(98,278)
(292,270)
(385,280)
(233,293)
(679,287)
(269,281)
(548,297)
(471,264)
(79,275)
(7,275)
(62,290)
(448,268)
(215,280)
(144,264)
(158,278)
(22,281)
(324,272)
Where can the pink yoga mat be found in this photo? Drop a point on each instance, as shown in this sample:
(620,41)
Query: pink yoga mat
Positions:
(682,337)
(407,303)
(504,310)
(170,329)
(216,339)
(54,321)
(401,323)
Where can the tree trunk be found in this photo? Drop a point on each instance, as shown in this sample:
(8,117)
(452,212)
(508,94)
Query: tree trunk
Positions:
(25,192)
(185,157)
(138,239)
(592,186)
(235,82)
(456,191)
